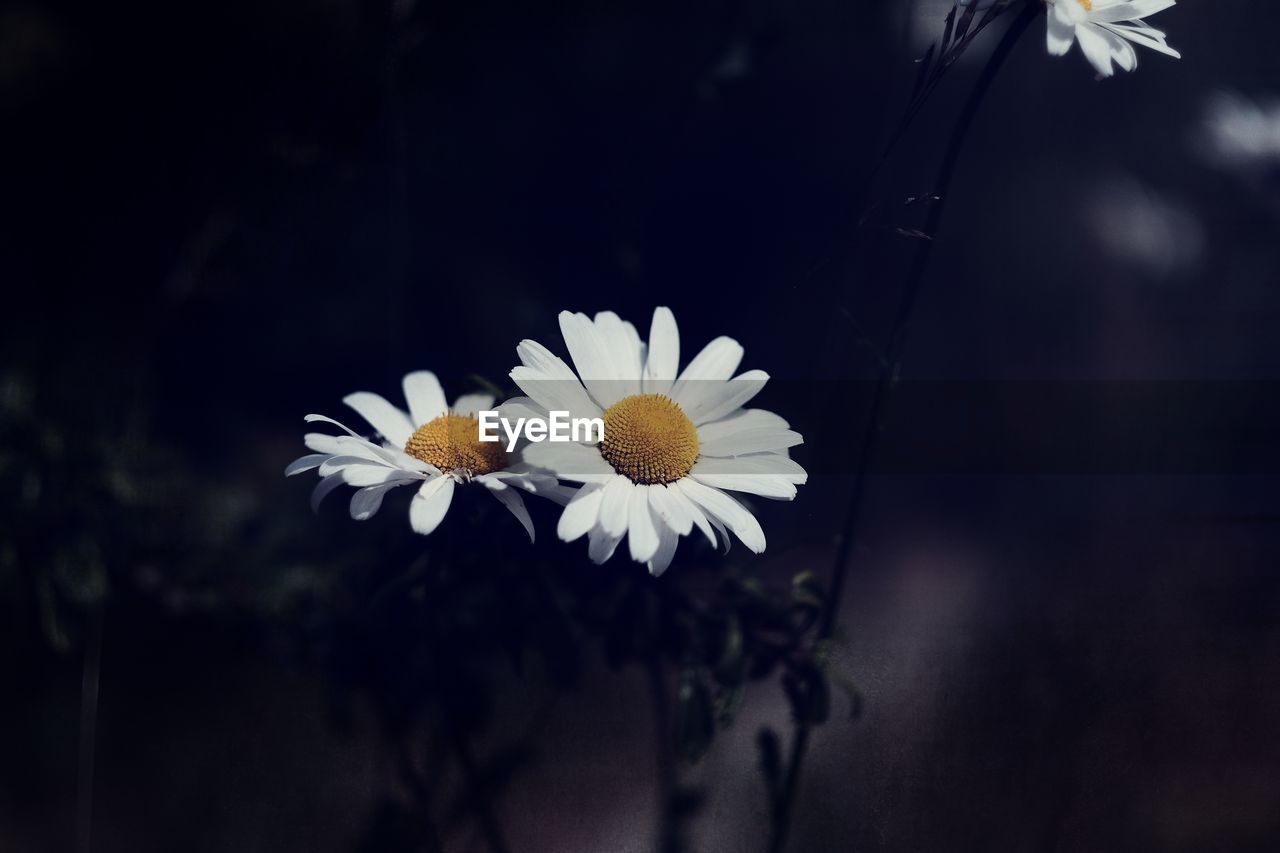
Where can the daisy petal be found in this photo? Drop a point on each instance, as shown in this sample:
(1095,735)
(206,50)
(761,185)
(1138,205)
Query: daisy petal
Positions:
(392,423)
(613,505)
(429,505)
(511,499)
(592,358)
(727,510)
(624,349)
(695,513)
(718,360)
(708,402)
(365,502)
(673,512)
(777,465)
(581,513)
(323,488)
(1061,34)
(642,534)
(749,441)
(1096,44)
(305,463)
(551,383)
(601,545)
(739,421)
(668,539)
(663,360)
(579,463)
(469,404)
(425,397)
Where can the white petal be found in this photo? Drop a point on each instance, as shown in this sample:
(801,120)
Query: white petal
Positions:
(642,534)
(591,357)
(1096,44)
(581,513)
(323,488)
(511,499)
(346,445)
(695,512)
(673,512)
(469,404)
(579,463)
(531,480)
(334,464)
(365,502)
(663,360)
(382,416)
(613,505)
(727,510)
(743,419)
(322,442)
(725,539)
(1061,34)
(718,360)
(374,475)
(772,464)
(425,397)
(560,494)
(601,545)
(667,541)
(1128,11)
(624,350)
(305,463)
(1146,36)
(323,419)
(750,441)
(429,505)
(1124,55)
(712,401)
(764,485)
(550,382)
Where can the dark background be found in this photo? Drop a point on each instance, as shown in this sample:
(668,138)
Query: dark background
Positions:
(221,216)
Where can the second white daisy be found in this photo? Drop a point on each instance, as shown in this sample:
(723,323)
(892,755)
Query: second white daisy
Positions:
(433,446)
(675,442)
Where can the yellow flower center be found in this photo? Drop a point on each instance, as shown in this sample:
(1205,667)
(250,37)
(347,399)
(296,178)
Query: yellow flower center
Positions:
(452,443)
(1087,4)
(649,439)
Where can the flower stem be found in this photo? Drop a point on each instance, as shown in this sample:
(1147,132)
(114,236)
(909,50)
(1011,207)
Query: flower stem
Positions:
(89,683)
(883,390)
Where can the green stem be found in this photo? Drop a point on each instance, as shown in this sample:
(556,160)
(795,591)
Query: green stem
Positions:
(883,390)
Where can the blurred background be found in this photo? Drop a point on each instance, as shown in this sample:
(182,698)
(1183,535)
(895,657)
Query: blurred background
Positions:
(222,216)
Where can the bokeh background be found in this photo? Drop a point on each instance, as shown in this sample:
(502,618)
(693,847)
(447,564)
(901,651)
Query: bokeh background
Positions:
(222,216)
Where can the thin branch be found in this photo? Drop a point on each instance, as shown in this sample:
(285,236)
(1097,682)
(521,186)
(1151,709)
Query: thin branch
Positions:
(883,389)
(89,682)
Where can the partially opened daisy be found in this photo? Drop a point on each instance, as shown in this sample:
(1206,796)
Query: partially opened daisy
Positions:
(675,442)
(1107,30)
(433,447)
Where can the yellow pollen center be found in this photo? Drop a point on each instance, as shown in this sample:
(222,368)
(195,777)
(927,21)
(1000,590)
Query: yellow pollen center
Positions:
(452,443)
(1087,4)
(649,439)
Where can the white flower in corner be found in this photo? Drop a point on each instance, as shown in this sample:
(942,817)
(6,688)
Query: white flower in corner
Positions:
(675,443)
(433,446)
(1107,30)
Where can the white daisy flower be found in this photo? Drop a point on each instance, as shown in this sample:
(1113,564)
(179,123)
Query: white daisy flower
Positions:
(1107,30)
(674,442)
(433,447)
